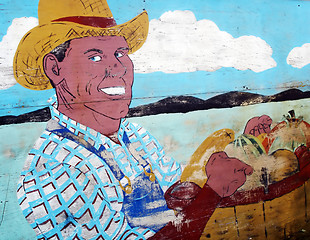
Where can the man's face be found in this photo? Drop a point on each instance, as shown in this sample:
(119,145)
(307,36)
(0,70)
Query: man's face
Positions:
(99,75)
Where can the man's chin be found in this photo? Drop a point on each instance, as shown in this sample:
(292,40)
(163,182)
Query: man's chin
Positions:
(116,114)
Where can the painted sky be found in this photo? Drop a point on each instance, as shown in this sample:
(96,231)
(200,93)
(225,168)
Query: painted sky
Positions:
(199,48)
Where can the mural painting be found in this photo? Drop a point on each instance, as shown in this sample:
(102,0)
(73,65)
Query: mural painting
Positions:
(131,146)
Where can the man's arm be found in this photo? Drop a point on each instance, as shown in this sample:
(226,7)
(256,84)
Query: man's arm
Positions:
(225,176)
(193,219)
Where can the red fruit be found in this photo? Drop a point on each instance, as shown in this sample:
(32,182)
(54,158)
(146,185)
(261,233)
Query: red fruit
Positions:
(300,151)
(303,156)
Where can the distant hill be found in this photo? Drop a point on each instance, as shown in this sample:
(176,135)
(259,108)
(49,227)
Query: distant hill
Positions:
(178,104)
(184,104)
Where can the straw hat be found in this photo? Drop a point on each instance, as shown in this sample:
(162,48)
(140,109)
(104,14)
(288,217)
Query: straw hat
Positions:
(62,20)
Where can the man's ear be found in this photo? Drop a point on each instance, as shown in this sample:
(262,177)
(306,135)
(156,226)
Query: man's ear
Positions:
(52,69)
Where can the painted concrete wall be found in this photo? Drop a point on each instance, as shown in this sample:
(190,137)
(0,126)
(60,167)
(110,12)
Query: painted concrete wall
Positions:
(206,73)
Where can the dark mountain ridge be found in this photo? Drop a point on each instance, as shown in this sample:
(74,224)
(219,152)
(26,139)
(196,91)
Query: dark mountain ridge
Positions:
(178,104)
(184,104)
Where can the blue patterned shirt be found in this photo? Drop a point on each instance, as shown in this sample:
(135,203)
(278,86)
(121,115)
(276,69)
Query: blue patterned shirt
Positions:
(68,192)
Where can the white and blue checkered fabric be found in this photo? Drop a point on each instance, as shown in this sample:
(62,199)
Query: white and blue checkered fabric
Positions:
(68,192)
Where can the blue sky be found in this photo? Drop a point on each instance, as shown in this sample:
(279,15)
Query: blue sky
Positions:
(282,24)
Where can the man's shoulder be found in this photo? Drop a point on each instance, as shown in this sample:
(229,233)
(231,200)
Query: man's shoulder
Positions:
(50,148)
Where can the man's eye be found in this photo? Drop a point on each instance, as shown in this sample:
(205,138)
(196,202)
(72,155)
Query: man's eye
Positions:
(95,58)
(119,54)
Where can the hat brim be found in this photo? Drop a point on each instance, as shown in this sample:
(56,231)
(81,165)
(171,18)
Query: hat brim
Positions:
(28,60)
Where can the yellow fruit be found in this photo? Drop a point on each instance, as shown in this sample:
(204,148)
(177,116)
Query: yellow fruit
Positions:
(261,137)
(216,142)
(287,165)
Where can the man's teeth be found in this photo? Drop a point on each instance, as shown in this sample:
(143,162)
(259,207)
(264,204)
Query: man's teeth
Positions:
(113,90)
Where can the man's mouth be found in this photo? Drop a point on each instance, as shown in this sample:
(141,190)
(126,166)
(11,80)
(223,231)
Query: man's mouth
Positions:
(113,90)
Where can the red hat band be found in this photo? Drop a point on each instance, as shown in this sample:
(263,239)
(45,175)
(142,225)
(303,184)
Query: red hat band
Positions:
(101,22)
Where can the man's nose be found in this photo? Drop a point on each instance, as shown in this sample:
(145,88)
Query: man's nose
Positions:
(116,68)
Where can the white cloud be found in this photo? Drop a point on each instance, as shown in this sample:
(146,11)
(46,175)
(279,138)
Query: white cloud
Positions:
(8,46)
(177,42)
(299,56)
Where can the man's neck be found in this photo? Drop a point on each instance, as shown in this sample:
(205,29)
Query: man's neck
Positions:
(100,123)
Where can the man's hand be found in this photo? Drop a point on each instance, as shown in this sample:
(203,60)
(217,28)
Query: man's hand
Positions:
(225,174)
(257,125)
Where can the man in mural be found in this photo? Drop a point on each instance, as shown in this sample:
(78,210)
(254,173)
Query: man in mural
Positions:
(92,174)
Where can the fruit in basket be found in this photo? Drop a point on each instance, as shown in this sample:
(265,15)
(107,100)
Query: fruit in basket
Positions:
(286,165)
(303,155)
(288,134)
(258,125)
(272,200)
(251,145)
